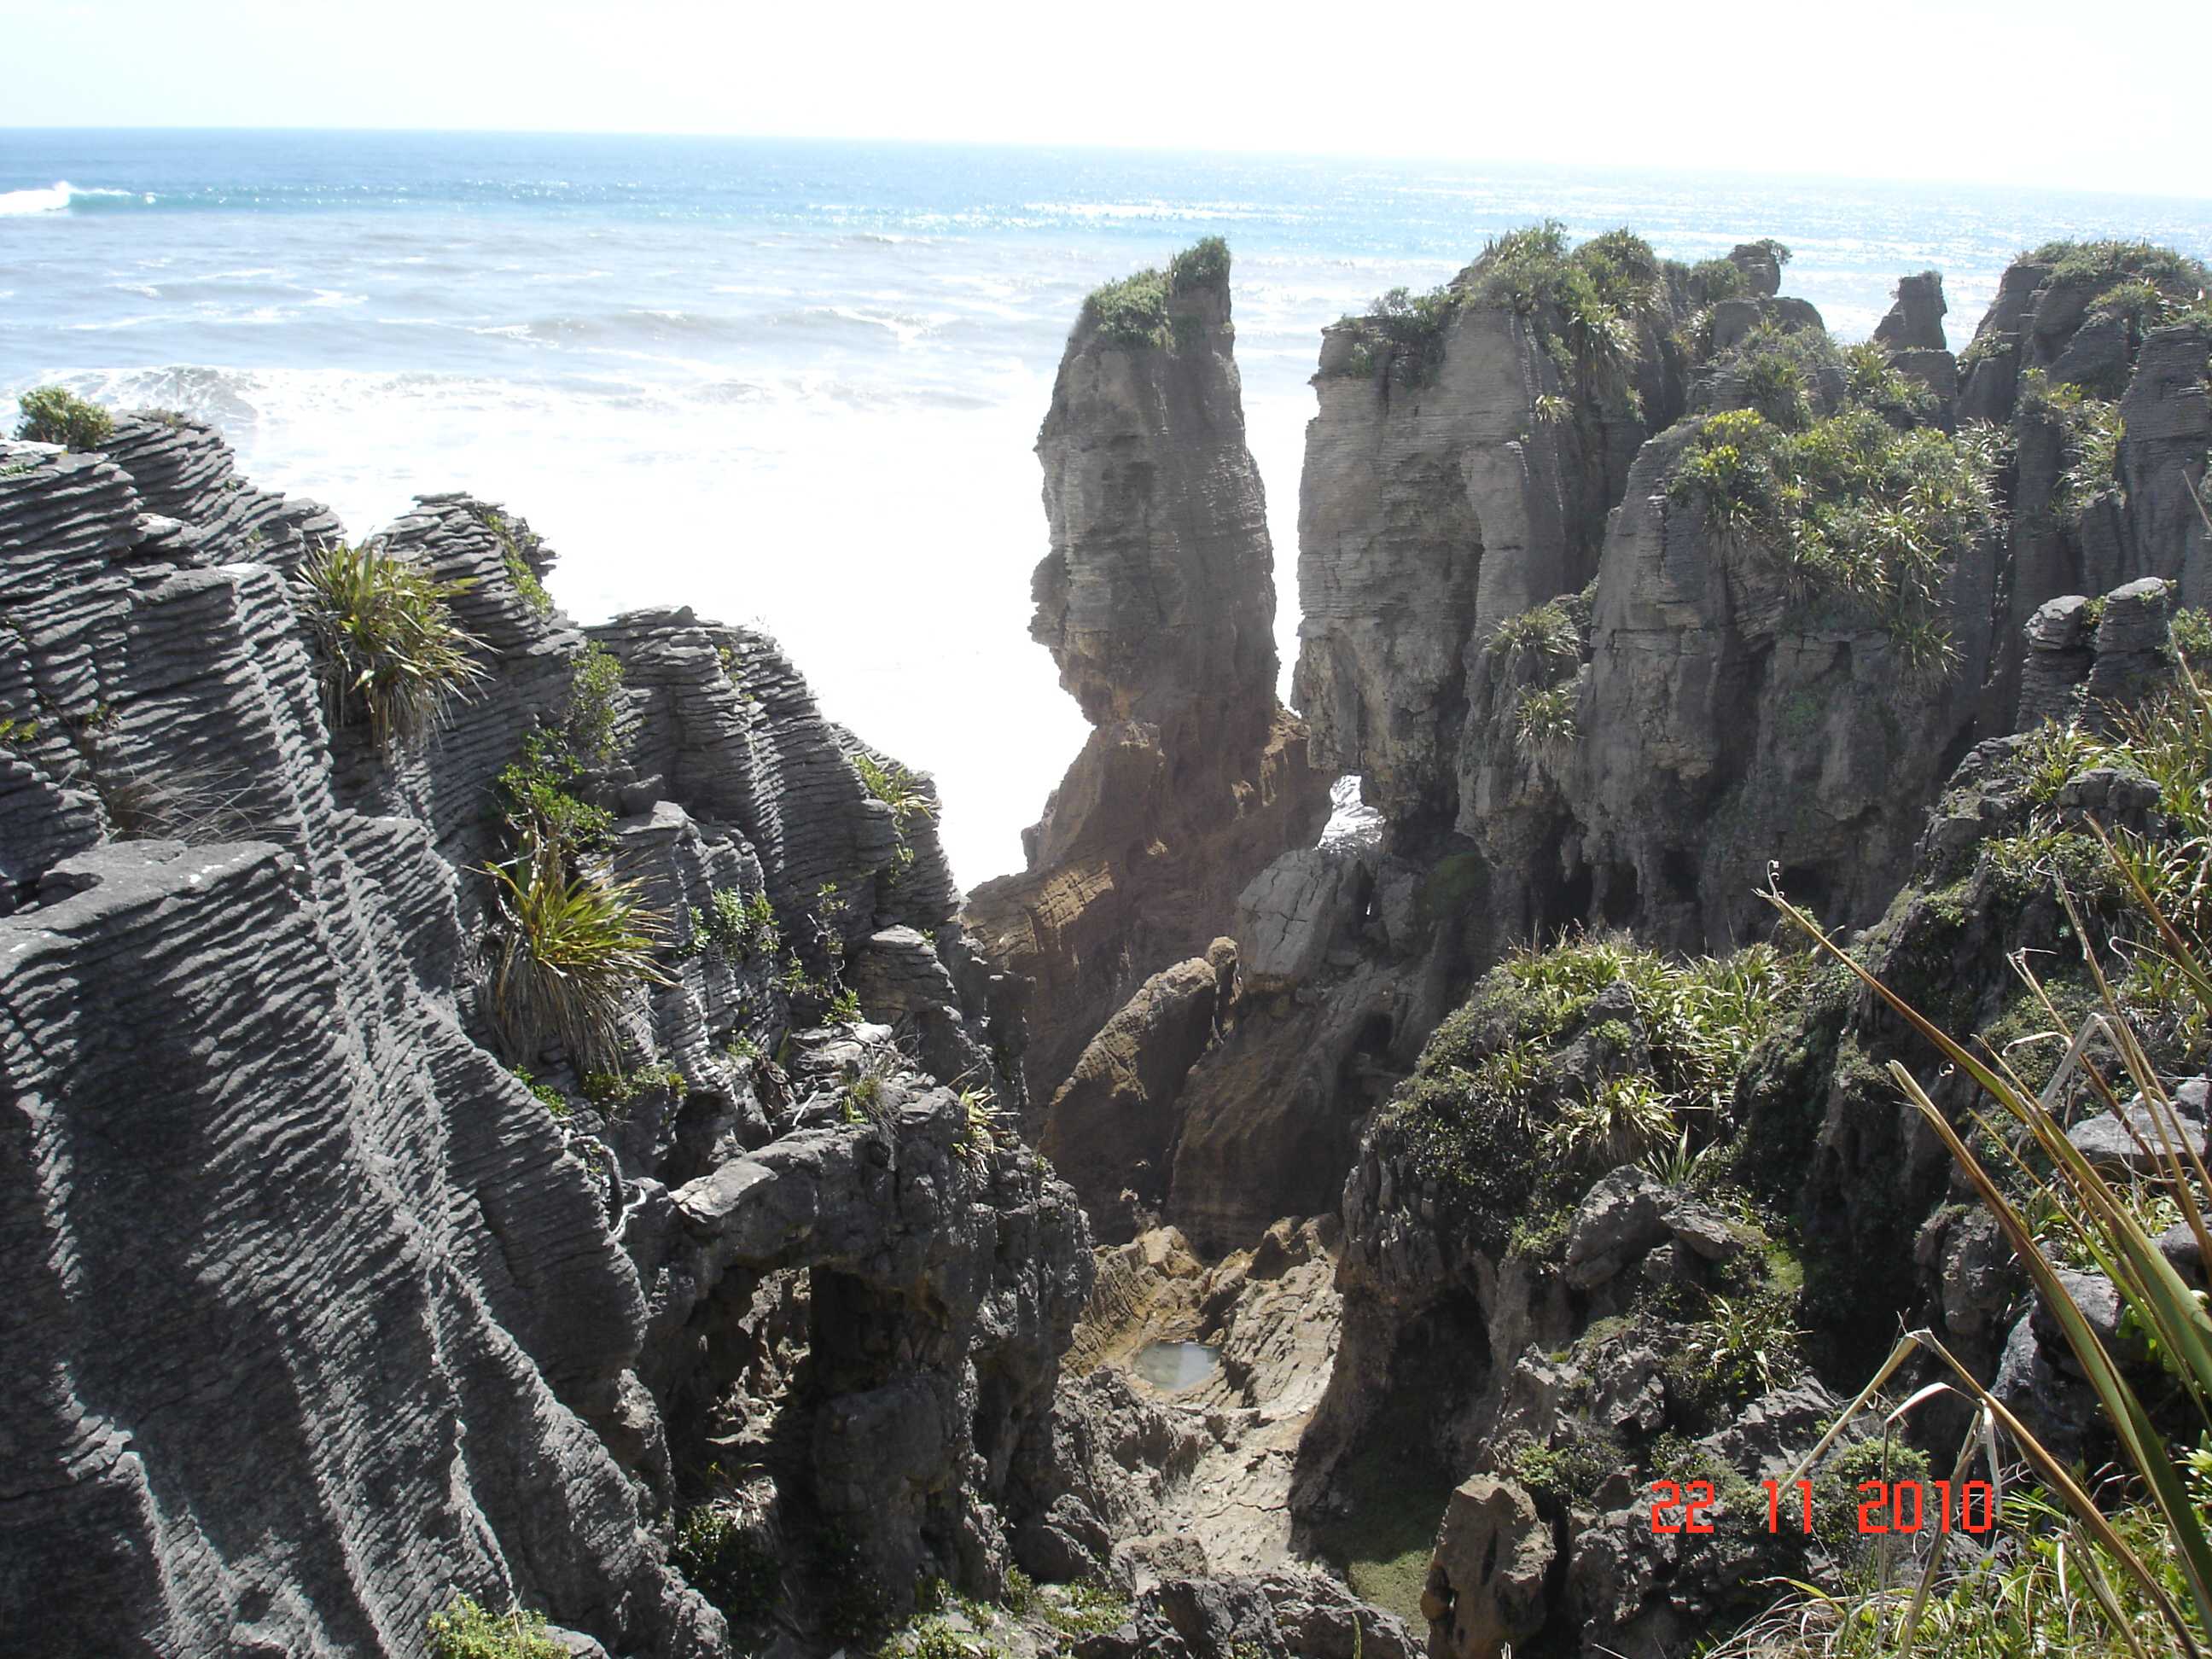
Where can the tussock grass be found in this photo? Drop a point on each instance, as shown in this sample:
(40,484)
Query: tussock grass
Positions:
(1849,506)
(2118,1567)
(570,944)
(387,648)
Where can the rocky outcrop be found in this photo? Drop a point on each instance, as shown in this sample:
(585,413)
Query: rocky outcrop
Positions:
(1915,322)
(1111,1128)
(1717,729)
(1486,1585)
(1640,755)
(1157,603)
(1448,485)
(1282,1616)
(2069,346)
(332,1314)
(1346,960)
(1171,1481)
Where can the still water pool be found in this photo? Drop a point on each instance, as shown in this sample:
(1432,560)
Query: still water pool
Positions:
(1173,1365)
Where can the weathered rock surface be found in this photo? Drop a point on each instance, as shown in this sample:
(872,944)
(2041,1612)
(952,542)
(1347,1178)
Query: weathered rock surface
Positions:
(1198,1480)
(1432,507)
(1283,1616)
(329,1317)
(1158,603)
(1486,1585)
(1110,1129)
(1915,322)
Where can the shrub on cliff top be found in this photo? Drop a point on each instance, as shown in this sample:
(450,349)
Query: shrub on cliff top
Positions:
(1851,506)
(1583,306)
(52,415)
(386,644)
(1133,310)
(1204,263)
(466,1631)
(2104,263)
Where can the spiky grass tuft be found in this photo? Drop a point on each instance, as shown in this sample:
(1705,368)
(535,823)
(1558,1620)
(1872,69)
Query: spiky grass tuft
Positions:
(569,945)
(386,644)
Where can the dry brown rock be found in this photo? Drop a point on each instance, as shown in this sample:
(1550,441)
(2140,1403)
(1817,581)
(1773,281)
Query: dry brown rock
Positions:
(1486,1584)
(1111,1127)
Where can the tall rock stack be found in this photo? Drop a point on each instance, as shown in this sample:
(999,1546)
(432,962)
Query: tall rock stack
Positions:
(1158,603)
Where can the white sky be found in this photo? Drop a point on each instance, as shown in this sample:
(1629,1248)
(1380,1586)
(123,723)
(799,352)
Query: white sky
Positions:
(2045,93)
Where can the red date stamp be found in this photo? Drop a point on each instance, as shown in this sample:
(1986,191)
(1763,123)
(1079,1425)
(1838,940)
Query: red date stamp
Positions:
(1894,1506)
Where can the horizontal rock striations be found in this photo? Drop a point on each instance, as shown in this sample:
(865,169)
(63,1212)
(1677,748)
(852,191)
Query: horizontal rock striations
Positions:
(1727,693)
(335,1302)
(1467,448)
(1157,603)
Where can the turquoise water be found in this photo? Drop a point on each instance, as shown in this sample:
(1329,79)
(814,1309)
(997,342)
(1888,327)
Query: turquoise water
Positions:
(798,383)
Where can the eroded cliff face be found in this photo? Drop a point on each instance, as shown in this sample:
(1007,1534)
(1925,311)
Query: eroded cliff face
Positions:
(1532,1333)
(1721,706)
(324,1313)
(1713,703)
(1158,603)
(1459,472)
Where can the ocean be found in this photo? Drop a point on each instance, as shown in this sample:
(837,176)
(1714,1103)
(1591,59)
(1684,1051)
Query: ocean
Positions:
(798,383)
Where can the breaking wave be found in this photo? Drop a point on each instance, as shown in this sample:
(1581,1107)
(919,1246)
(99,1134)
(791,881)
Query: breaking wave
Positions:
(58,198)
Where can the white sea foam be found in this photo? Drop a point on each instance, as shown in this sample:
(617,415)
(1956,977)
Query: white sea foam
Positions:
(52,199)
(56,198)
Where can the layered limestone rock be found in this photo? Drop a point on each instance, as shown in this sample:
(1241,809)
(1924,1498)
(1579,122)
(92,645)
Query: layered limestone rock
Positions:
(330,1314)
(1718,728)
(1455,475)
(2070,355)
(1553,1361)
(1639,756)
(1157,603)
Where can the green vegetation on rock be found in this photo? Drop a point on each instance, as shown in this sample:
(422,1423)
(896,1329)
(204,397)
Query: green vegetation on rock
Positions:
(595,706)
(386,642)
(1851,506)
(526,581)
(54,415)
(732,1566)
(2102,265)
(1584,307)
(569,943)
(732,928)
(1502,1124)
(901,790)
(1133,311)
(466,1631)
